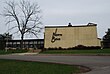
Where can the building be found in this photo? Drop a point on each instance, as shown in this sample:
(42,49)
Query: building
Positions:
(27,44)
(71,36)
(6,42)
(3,38)
(60,37)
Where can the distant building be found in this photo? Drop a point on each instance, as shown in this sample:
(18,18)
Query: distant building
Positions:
(71,36)
(3,39)
(7,42)
(27,44)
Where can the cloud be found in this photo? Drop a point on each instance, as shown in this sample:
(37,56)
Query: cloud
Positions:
(61,12)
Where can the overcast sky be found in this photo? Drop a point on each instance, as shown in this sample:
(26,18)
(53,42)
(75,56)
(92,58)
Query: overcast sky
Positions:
(77,12)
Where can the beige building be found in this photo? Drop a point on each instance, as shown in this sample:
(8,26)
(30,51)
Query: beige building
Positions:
(71,36)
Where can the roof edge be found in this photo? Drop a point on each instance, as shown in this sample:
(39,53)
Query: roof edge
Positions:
(88,25)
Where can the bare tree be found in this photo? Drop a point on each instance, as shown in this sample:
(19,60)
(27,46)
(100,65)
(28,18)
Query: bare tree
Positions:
(25,16)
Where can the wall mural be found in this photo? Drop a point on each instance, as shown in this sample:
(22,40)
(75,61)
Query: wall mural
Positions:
(55,36)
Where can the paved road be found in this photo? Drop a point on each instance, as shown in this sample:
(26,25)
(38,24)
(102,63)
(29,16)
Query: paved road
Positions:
(98,64)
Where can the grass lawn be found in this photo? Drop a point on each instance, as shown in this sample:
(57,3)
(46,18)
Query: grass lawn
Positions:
(94,51)
(23,67)
(12,51)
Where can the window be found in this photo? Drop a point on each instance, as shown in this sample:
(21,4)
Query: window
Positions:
(39,42)
(31,42)
(17,42)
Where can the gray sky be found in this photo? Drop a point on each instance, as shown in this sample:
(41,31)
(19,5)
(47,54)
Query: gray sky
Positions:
(78,12)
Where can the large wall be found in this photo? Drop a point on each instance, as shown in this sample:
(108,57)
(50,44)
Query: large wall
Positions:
(71,36)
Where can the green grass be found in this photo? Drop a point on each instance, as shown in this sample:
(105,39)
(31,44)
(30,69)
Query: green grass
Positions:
(12,51)
(23,67)
(94,51)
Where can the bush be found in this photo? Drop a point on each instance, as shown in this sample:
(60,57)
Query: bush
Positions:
(79,47)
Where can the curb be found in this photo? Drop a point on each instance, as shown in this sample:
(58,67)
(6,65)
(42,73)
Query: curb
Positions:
(74,54)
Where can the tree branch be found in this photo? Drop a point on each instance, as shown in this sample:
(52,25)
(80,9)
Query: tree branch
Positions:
(27,21)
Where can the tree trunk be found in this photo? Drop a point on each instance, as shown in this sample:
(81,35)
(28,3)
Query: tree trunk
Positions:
(22,38)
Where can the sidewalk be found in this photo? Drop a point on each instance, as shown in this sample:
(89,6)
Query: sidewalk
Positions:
(37,53)
(27,53)
(73,54)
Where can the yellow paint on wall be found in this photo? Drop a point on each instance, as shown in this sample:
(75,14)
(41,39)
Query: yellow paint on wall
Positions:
(66,37)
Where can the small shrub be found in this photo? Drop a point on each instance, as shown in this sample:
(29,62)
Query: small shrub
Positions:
(80,46)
